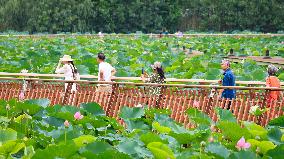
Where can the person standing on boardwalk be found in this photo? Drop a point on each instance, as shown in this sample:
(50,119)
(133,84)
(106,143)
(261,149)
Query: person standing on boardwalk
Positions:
(228,80)
(106,72)
(272,81)
(69,70)
(158,76)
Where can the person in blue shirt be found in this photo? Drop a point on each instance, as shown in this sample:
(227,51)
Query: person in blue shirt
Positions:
(228,80)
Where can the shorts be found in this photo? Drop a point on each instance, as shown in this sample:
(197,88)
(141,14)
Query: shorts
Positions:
(104,88)
(73,87)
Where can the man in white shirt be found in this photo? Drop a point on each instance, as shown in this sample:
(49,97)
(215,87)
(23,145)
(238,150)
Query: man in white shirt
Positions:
(106,72)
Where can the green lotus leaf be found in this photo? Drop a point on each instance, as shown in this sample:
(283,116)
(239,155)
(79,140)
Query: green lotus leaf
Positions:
(160,150)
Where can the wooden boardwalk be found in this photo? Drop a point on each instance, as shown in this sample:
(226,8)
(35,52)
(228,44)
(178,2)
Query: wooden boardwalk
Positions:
(175,97)
(191,53)
(278,61)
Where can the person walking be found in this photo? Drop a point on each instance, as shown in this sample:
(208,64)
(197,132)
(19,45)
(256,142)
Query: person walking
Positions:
(69,70)
(228,80)
(158,76)
(272,81)
(106,72)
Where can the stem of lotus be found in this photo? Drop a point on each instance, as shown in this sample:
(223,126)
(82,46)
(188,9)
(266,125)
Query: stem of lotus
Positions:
(32,129)
(27,129)
(65,135)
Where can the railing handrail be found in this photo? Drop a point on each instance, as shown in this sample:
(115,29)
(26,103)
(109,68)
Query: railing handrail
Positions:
(148,84)
(131,78)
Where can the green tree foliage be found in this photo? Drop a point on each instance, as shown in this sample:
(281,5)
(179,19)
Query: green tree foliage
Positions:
(88,15)
(118,16)
(229,15)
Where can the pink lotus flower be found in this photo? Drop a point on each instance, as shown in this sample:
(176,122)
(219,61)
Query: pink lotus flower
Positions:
(211,139)
(213,128)
(21,96)
(66,123)
(78,116)
(242,144)
(196,104)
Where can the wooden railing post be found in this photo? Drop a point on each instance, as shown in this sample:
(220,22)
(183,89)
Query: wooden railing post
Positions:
(67,93)
(162,96)
(112,101)
(262,106)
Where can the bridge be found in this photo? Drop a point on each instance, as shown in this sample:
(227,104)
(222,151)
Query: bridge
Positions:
(129,91)
(261,60)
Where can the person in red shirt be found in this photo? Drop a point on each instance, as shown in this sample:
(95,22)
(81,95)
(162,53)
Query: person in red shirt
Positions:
(272,81)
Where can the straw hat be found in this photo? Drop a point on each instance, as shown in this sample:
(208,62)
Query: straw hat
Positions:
(66,58)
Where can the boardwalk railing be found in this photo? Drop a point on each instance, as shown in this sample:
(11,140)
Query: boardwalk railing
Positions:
(175,97)
(27,76)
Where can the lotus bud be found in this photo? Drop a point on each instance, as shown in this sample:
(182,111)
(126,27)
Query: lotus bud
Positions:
(66,123)
(257,150)
(202,143)
(211,139)
(78,116)
(25,139)
(8,107)
(257,137)
(212,128)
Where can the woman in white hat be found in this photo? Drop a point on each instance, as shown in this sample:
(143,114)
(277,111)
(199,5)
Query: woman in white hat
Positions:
(69,70)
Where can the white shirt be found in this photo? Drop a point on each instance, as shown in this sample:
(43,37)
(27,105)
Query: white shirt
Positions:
(67,70)
(106,68)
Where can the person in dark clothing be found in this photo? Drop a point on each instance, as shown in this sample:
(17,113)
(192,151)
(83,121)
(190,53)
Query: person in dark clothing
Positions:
(158,76)
(228,80)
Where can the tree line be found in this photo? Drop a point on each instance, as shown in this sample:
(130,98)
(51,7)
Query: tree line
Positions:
(125,16)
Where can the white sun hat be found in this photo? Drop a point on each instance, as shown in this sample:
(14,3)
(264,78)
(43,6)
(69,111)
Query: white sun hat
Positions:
(66,58)
(156,65)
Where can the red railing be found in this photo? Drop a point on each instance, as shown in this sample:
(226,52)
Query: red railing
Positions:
(175,97)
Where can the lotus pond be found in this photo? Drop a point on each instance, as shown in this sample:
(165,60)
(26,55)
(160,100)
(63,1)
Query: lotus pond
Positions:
(32,129)
(129,55)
